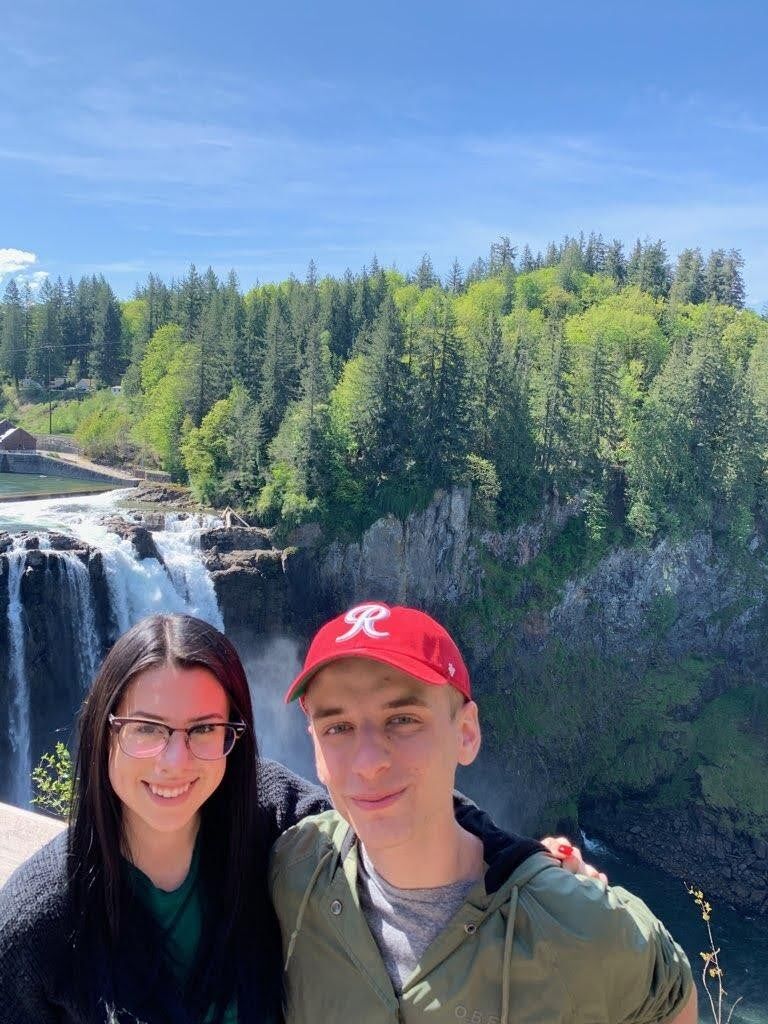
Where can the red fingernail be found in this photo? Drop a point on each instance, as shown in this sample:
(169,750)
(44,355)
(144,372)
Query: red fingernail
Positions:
(565,850)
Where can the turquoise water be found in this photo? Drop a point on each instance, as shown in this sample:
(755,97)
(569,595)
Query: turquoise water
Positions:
(16,485)
(743,942)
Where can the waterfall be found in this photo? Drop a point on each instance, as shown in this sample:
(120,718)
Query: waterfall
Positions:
(180,548)
(19,711)
(139,587)
(78,582)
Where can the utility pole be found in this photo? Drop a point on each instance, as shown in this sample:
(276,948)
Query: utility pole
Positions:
(50,408)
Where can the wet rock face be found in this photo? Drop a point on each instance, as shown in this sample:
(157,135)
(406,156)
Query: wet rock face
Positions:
(164,494)
(688,597)
(52,647)
(236,538)
(427,560)
(140,536)
(521,545)
(5,683)
(253,592)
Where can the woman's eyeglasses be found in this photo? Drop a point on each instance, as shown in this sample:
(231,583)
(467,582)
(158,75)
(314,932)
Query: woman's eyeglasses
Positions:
(209,741)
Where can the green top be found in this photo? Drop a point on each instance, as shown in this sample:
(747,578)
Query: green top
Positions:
(179,915)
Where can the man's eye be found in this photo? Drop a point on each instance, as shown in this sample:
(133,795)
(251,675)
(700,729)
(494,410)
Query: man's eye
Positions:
(338,729)
(403,720)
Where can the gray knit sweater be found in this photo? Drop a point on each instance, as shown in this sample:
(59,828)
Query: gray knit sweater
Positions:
(37,965)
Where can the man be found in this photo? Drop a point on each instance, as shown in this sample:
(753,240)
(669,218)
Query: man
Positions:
(393,912)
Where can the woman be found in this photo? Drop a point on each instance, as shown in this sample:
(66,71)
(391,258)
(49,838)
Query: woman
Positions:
(153,906)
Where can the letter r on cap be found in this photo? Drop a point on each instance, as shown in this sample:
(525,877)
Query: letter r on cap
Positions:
(363,619)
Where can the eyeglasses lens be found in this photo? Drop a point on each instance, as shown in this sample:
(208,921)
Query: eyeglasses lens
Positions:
(143,739)
(208,742)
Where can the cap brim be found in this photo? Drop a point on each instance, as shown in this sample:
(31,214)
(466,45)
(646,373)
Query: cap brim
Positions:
(411,666)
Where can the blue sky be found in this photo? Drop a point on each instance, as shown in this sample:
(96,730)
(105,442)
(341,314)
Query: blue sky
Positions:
(142,137)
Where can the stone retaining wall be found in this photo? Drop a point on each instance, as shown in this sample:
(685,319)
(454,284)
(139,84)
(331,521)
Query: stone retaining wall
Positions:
(34,463)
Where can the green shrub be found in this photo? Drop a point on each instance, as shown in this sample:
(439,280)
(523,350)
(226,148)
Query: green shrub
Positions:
(53,780)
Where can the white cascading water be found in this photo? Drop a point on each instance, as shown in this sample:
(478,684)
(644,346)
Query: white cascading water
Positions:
(19,710)
(179,544)
(78,583)
(136,588)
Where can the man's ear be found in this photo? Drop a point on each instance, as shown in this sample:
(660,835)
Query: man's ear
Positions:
(468,733)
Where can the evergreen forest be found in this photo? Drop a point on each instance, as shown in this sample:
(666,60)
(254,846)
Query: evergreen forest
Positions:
(638,382)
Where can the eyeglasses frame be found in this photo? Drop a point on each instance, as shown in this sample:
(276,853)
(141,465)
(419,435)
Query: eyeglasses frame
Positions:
(116,724)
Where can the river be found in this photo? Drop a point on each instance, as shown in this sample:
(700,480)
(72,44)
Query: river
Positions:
(15,486)
(743,942)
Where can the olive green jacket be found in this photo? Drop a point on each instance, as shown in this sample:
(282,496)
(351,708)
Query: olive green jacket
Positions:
(536,945)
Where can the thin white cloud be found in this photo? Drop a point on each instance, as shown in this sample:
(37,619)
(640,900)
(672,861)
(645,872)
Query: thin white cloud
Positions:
(17,264)
(14,260)
(35,280)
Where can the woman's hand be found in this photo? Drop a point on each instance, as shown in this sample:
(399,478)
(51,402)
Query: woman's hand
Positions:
(571,859)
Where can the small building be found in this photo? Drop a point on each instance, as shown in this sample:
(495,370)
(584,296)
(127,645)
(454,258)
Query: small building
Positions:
(29,382)
(5,425)
(116,389)
(85,385)
(58,383)
(17,440)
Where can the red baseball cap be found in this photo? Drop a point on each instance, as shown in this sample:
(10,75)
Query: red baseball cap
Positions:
(404,638)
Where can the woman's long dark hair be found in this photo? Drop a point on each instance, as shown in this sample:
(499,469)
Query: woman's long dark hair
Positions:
(239,951)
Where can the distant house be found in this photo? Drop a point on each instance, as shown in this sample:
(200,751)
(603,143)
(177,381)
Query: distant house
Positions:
(17,440)
(5,425)
(85,385)
(58,383)
(116,389)
(29,382)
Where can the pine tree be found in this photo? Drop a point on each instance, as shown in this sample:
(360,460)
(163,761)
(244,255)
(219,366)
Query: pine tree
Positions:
(334,317)
(688,282)
(527,262)
(648,268)
(157,311)
(594,254)
(362,311)
(478,271)
(278,370)
(234,348)
(552,255)
(105,356)
(316,377)
(455,282)
(723,281)
(190,302)
(556,405)
(441,398)
(733,279)
(425,276)
(614,263)
(502,256)
(13,352)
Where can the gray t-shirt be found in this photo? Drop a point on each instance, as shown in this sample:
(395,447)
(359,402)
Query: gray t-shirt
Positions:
(405,921)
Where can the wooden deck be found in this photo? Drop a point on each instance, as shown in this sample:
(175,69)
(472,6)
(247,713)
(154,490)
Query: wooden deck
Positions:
(21,833)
